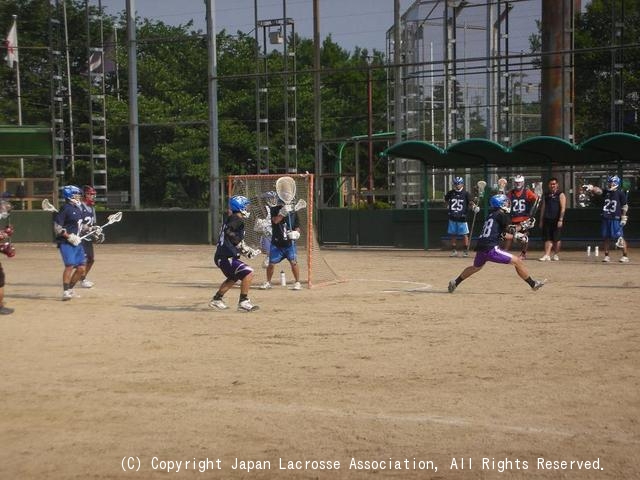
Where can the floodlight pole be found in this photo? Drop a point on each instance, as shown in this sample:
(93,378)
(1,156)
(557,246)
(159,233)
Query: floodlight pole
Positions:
(214,164)
(134,148)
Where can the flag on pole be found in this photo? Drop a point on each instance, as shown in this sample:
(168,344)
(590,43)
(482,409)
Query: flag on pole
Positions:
(11,43)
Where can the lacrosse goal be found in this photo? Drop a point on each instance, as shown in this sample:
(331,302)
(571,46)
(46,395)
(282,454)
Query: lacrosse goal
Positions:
(314,270)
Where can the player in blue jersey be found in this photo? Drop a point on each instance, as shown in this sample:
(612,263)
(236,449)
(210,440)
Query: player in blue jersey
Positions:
(614,215)
(66,226)
(227,257)
(496,227)
(459,203)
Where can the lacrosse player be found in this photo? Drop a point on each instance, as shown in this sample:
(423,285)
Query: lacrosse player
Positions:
(7,248)
(522,199)
(285,228)
(614,215)
(496,226)
(66,226)
(227,257)
(459,202)
(263,225)
(553,206)
(89,227)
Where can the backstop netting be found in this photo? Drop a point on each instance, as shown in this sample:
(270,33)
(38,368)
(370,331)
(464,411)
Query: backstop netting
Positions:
(314,270)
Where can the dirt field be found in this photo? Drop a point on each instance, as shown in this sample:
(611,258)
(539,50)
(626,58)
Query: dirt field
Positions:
(140,374)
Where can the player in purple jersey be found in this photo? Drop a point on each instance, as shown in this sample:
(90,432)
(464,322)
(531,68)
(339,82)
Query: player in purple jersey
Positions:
(459,202)
(496,227)
(614,215)
(227,257)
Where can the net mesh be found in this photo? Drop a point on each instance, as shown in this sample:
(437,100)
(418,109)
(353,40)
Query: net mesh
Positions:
(314,270)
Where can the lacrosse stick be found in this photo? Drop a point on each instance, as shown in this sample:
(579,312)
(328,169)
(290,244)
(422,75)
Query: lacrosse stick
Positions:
(286,189)
(47,206)
(113,218)
(481,186)
(300,204)
(502,185)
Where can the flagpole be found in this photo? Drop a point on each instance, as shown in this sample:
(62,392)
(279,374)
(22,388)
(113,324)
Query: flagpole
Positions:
(15,21)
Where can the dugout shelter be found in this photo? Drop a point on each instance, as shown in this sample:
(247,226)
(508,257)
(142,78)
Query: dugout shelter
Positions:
(538,158)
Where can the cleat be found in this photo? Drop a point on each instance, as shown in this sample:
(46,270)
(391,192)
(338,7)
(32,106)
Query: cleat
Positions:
(297,286)
(246,306)
(465,253)
(555,258)
(624,259)
(265,286)
(67,295)
(86,283)
(6,310)
(219,304)
(452,286)
(606,259)
(453,253)
(538,285)
(545,258)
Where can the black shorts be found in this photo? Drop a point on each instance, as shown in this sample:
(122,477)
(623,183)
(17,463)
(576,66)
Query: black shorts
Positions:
(550,231)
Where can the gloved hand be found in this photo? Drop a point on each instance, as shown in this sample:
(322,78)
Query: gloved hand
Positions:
(623,220)
(528,224)
(512,229)
(74,239)
(8,230)
(476,209)
(285,210)
(293,235)
(8,249)
(521,237)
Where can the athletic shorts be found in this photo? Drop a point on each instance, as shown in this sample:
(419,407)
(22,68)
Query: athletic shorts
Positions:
(457,228)
(494,255)
(233,268)
(610,228)
(72,256)
(277,254)
(88,250)
(550,230)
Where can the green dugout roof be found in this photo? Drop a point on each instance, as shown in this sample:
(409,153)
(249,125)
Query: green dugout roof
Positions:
(535,151)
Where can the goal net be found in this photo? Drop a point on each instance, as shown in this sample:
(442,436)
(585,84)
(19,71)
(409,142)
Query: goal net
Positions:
(314,270)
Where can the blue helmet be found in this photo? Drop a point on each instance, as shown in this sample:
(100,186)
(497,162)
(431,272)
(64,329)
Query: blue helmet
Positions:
(238,203)
(613,182)
(500,201)
(71,192)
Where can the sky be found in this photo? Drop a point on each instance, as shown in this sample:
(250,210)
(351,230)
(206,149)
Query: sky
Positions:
(350,23)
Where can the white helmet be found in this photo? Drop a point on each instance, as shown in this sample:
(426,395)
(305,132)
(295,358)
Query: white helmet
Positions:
(518,182)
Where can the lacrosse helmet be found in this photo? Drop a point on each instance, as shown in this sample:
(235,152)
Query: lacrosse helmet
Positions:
(89,194)
(613,182)
(518,182)
(500,201)
(239,204)
(72,194)
(458,183)
(271,198)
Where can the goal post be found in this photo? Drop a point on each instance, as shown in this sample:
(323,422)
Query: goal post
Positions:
(314,270)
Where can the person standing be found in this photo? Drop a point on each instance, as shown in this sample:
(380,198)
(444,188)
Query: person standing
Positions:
(459,202)
(285,227)
(496,226)
(66,226)
(7,248)
(89,225)
(553,206)
(227,257)
(522,199)
(614,216)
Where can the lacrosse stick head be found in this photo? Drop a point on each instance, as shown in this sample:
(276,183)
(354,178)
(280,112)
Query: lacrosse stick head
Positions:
(286,189)
(5,209)
(502,185)
(114,218)
(481,186)
(300,204)
(537,188)
(46,206)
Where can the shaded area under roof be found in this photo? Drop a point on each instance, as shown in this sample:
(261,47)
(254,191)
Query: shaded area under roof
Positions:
(535,151)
